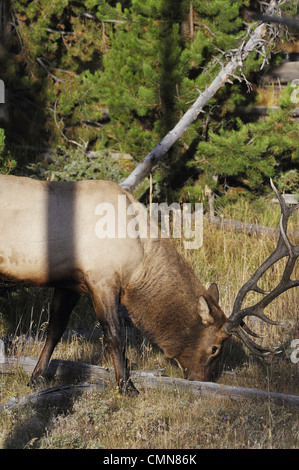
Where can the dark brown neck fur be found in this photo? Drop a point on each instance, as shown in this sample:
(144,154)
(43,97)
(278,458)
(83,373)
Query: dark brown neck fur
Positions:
(162,297)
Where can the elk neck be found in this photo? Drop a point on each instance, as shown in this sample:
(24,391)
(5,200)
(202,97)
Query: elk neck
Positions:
(162,297)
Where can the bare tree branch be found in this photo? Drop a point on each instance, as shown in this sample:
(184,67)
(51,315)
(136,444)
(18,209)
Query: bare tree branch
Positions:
(41,63)
(290,22)
(255,42)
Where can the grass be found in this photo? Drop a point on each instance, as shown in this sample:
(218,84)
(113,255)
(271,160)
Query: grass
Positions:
(269,95)
(156,419)
(160,418)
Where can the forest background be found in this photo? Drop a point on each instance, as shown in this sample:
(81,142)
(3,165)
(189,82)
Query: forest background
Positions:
(92,86)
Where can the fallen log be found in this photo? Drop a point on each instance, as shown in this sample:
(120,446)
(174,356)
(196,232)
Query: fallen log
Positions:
(62,369)
(211,389)
(244,227)
(50,396)
(142,379)
(59,368)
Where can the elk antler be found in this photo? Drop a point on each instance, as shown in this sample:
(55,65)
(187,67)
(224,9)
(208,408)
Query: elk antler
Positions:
(235,324)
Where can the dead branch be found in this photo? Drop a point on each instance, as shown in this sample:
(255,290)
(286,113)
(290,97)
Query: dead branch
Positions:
(83,147)
(244,227)
(142,379)
(210,389)
(290,22)
(50,396)
(62,369)
(236,61)
(42,64)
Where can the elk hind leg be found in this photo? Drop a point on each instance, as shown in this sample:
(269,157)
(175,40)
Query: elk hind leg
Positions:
(63,302)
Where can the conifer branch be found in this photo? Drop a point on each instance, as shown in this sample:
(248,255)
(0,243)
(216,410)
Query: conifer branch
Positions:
(255,42)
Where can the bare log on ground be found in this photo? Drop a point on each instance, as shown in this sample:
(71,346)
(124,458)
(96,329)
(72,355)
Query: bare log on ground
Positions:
(62,369)
(244,227)
(211,389)
(54,396)
(142,379)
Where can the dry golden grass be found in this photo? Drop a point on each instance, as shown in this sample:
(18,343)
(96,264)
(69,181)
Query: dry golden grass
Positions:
(162,418)
(269,94)
(156,419)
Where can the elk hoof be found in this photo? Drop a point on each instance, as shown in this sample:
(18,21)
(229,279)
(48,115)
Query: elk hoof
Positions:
(128,388)
(36,382)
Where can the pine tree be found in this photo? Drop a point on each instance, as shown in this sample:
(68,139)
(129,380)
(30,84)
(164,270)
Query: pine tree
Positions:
(112,77)
(51,71)
(160,57)
(253,152)
(141,73)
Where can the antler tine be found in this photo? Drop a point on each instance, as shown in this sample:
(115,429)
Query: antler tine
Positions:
(236,324)
(249,331)
(255,348)
(281,200)
(283,248)
(278,195)
(251,284)
(259,290)
(286,212)
(256,310)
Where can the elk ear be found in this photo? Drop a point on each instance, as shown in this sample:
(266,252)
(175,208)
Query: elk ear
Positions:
(204,311)
(214,292)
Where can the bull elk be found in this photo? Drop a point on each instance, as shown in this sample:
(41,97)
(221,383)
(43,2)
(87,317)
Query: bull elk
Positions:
(48,238)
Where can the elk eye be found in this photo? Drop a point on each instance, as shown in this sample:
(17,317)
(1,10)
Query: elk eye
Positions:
(214,349)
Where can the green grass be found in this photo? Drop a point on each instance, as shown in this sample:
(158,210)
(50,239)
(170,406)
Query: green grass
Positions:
(159,418)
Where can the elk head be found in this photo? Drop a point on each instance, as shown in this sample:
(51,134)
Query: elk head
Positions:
(235,324)
(199,357)
(217,327)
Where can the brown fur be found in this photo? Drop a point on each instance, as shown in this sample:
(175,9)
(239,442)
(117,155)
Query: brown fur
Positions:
(48,239)
(162,299)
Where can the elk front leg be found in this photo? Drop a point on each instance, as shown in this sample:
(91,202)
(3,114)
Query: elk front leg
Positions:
(63,302)
(106,308)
